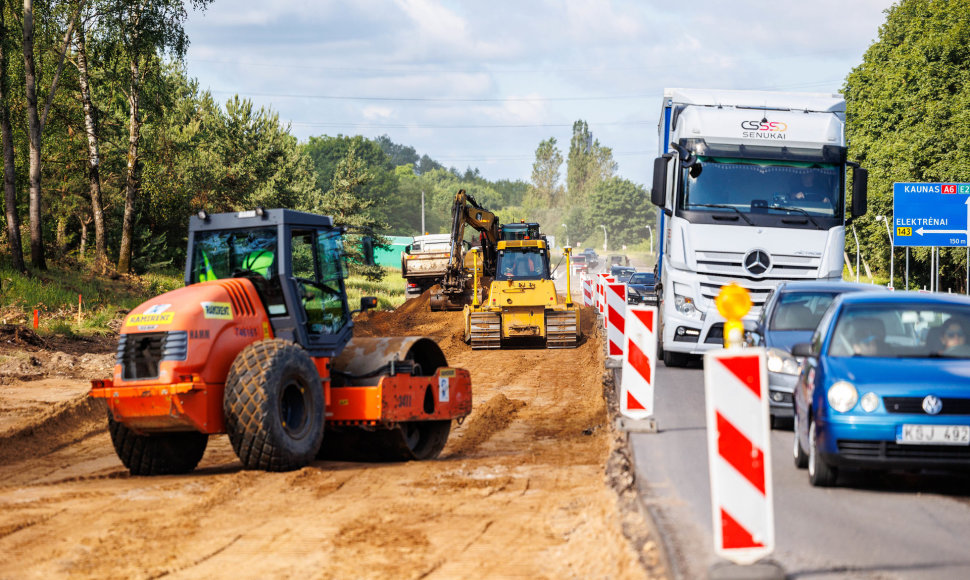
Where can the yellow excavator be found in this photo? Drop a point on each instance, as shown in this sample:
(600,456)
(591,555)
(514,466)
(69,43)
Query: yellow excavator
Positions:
(521,304)
(455,289)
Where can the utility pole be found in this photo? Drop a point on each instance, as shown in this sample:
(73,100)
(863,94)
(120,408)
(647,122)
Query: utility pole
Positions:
(422,213)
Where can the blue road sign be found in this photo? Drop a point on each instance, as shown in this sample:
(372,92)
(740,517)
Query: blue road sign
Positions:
(931,214)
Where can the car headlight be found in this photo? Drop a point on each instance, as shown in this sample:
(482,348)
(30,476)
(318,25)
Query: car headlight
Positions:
(780,361)
(869,402)
(684,305)
(843,396)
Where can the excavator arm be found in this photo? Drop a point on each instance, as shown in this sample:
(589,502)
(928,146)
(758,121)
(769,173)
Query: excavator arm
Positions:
(455,289)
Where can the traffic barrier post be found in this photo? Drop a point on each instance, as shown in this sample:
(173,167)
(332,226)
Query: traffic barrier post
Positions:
(615,313)
(739,454)
(738,443)
(639,363)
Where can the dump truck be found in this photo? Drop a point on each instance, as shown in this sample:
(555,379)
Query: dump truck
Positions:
(259,345)
(425,261)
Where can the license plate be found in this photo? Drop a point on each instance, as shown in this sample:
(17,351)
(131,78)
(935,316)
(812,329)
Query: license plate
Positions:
(935,435)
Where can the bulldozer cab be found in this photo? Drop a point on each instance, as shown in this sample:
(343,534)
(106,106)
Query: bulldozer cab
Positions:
(294,259)
(522,260)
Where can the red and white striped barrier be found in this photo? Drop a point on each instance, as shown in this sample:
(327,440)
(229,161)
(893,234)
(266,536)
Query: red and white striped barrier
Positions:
(587,291)
(602,281)
(639,362)
(615,313)
(736,389)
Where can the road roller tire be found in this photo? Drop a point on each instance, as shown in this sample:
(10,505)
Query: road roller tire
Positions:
(157,453)
(274,406)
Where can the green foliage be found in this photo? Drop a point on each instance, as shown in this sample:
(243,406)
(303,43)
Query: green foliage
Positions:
(546,189)
(624,208)
(908,119)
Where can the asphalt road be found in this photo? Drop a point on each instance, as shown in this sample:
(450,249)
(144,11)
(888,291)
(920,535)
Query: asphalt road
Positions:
(900,525)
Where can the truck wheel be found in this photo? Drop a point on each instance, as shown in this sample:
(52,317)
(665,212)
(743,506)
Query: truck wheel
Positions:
(675,359)
(157,453)
(274,406)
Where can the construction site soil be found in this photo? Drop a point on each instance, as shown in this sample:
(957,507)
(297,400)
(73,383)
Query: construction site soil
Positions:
(535,483)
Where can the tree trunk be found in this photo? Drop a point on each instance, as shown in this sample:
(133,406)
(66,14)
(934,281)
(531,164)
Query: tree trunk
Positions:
(84,236)
(62,235)
(33,132)
(131,177)
(9,170)
(94,158)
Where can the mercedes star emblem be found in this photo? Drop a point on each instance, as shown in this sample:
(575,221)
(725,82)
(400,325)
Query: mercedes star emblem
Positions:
(757,262)
(932,404)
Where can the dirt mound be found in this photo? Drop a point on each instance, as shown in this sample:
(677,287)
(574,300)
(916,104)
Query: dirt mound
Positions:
(414,318)
(16,335)
(63,424)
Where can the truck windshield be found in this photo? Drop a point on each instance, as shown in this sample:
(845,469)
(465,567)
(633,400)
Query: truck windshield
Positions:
(760,186)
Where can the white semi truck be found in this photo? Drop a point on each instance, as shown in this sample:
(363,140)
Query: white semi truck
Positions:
(752,188)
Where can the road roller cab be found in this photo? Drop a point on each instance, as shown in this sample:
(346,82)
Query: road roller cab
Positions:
(258,345)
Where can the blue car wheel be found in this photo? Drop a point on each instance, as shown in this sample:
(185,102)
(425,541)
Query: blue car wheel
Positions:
(820,474)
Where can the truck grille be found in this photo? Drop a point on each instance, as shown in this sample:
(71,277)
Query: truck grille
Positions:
(717,269)
(139,354)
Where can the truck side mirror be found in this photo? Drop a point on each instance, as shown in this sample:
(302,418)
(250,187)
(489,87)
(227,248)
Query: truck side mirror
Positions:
(367,302)
(367,250)
(659,192)
(860,186)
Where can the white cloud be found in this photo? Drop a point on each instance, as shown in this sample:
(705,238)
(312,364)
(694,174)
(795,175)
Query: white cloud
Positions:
(512,52)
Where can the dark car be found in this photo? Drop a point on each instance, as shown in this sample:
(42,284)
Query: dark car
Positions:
(790,315)
(592,259)
(622,273)
(641,288)
(885,386)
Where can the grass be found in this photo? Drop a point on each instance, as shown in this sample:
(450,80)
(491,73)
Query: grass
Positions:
(54,294)
(389,291)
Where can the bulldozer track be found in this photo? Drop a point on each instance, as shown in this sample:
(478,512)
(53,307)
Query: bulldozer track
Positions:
(561,331)
(486,330)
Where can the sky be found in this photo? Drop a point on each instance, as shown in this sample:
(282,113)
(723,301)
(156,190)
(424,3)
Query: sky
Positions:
(480,84)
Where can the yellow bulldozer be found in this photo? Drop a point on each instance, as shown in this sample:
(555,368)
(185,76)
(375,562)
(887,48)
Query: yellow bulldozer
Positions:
(521,303)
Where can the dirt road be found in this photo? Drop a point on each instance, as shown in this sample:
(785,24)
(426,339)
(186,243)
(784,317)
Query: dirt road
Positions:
(525,487)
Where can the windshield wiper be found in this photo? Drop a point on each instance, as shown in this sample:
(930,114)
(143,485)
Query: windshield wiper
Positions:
(723,206)
(799,210)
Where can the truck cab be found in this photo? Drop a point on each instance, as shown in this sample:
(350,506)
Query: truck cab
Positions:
(752,187)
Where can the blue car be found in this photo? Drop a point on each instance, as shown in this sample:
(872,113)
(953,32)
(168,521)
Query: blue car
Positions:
(885,384)
(790,315)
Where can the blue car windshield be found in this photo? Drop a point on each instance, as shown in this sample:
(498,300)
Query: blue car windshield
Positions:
(800,310)
(902,331)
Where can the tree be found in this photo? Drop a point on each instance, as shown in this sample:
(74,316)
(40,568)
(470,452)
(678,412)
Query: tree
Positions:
(94,156)
(623,207)
(545,174)
(908,115)
(147,28)
(9,169)
(346,202)
(35,126)
(397,154)
(588,164)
